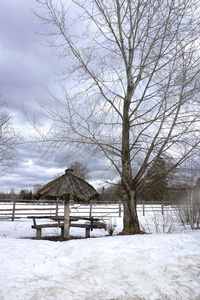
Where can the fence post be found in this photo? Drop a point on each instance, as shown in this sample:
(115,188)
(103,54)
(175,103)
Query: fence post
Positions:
(13,211)
(57,206)
(162,205)
(120,209)
(143,209)
(91,209)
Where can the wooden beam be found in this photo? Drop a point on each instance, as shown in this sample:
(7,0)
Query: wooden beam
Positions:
(66,217)
(38,233)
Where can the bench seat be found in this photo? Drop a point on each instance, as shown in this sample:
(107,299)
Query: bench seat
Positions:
(48,225)
(87,227)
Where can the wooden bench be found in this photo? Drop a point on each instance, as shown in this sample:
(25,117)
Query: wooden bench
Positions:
(94,224)
(52,225)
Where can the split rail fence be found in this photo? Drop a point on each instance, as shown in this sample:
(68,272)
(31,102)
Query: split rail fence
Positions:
(15,209)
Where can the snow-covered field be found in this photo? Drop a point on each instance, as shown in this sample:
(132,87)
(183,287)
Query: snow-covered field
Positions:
(152,266)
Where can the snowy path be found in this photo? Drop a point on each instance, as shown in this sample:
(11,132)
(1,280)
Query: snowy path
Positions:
(152,267)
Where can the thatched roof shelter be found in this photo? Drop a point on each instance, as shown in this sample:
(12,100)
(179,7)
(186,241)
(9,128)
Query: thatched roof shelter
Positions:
(66,187)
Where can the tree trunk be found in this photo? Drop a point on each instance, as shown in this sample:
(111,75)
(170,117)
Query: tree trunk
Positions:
(130,221)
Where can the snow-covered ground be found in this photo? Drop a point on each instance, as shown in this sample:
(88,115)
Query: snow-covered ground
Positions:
(152,266)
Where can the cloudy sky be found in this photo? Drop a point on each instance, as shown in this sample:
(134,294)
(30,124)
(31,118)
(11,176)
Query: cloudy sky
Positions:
(25,68)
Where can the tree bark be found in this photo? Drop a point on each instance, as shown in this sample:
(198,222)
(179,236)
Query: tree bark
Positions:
(130,221)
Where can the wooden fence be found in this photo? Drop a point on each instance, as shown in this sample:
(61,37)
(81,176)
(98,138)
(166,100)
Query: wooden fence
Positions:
(14,209)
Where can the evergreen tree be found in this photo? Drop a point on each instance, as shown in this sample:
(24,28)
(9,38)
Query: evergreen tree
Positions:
(198,182)
(156,188)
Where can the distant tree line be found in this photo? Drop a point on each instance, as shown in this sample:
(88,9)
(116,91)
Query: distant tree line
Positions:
(176,188)
(159,187)
(23,194)
(79,170)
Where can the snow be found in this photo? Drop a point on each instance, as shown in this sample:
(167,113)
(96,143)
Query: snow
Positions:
(151,266)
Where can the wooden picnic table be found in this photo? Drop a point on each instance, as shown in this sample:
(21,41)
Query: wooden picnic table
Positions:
(93,224)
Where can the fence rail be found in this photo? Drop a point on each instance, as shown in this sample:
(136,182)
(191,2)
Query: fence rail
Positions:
(14,209)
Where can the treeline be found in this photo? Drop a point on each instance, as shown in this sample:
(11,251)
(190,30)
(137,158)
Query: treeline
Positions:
(179,186)
(23,194)
(176,194)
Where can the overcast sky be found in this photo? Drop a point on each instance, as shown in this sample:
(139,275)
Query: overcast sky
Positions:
(25,67)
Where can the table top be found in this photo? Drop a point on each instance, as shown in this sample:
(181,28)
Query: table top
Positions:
(61,218)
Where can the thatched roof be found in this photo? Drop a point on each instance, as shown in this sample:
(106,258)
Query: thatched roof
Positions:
(67,184)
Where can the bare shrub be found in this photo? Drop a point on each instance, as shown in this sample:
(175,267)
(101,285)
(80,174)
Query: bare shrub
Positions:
(111,226)
(189,215)
(166,223)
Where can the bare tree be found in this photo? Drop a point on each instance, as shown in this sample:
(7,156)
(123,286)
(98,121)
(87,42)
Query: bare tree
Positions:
(36,188)
(130,85)
(12,194)
(8,139)
(80,170)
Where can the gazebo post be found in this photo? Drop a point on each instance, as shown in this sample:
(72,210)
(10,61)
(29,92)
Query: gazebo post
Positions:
(66,217)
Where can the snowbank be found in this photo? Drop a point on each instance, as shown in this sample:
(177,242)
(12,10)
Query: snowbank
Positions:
(154,266)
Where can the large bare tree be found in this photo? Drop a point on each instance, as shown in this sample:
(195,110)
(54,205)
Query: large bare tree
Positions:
(130,85)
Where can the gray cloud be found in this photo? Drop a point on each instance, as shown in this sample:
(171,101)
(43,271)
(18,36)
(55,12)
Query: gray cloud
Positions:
(25,66)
